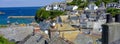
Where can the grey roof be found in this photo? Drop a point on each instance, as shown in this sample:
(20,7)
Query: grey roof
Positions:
(36,39)
(74,17)
(116,42)
(17,33)
(81,38)
(58,40)
(44,25)
(69,8)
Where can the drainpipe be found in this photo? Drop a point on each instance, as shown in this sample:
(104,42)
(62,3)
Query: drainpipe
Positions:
(109,18)
(49,33)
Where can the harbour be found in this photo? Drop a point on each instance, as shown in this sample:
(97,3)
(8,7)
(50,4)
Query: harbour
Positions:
(20,16)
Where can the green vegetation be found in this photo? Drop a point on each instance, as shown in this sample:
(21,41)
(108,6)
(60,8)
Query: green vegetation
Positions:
(115,0)
(75,2)
(5,41)
(113,11)
(98,2)
(105,1)
(42,14)
(108,1)
(79,3)
(83,4)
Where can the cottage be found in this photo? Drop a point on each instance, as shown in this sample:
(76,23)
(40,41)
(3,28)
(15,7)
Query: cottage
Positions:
(112,5)
(71,8)
(56,6)
(48,8)
(93,12)
(91,6)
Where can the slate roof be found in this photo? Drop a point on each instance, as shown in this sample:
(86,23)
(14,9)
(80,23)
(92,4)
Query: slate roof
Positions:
(116,42)
(83,39)
(58,40)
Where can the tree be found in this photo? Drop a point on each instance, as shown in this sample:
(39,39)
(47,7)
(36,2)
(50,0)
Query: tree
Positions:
(55,13)
(79,3)
(42,14)
(5,41)
(98,2)
(115,0)
(113,11)
(106,1)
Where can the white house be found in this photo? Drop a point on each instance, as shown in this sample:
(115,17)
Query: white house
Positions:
(48,8)
(112,5)
(56,7)
(91,6)
(75,8)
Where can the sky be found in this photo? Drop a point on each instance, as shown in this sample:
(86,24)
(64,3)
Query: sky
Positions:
(26,3)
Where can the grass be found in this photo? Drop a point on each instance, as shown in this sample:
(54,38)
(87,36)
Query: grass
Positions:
(5,41)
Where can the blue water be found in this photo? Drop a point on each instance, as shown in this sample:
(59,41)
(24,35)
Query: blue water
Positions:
(17,11)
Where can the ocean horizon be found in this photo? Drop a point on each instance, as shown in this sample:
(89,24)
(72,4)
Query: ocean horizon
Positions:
(17,11)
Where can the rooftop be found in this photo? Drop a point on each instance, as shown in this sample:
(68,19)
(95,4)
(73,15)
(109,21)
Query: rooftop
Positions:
(17,33)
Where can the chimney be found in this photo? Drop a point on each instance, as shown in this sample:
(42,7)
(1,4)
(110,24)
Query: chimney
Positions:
(109,18)
(36,30)
(46,42)
(110,33)
(105,34)
(117,18)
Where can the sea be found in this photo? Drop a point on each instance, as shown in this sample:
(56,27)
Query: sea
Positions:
(17,11)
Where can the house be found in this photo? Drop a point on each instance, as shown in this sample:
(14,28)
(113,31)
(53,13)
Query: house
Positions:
(91,6)
(112,5)
(44,25)
(56,6)
(48,8)
(75,8)
(102,5)
(93,12)
(71,8)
